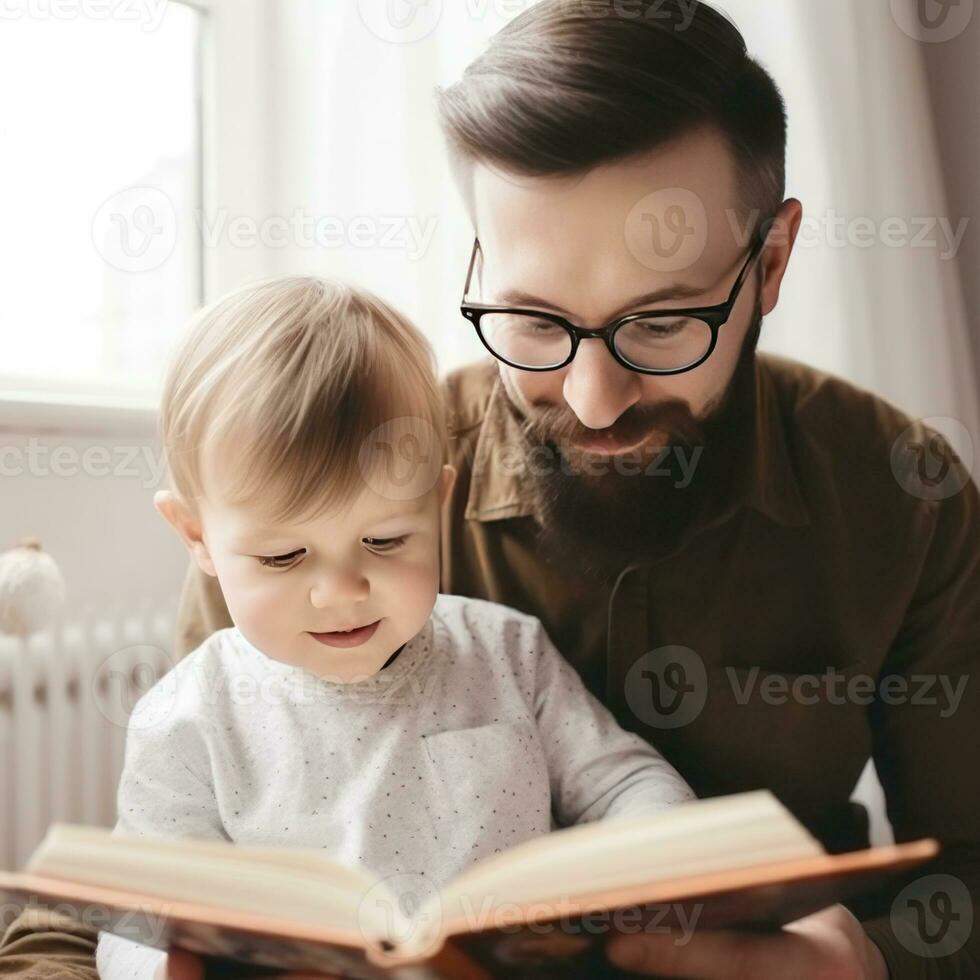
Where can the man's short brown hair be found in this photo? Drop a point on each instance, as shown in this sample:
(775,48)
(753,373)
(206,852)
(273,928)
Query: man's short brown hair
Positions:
(573,84)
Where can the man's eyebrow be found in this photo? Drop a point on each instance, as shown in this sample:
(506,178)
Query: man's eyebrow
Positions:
(518,298)
(677,291)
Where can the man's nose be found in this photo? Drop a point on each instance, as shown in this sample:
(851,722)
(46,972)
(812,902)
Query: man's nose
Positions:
(597,388)
(335,586)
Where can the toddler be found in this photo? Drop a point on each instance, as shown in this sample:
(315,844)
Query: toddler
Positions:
(351,707)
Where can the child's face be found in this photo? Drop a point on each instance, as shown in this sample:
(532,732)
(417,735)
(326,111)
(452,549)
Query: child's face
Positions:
(373,564)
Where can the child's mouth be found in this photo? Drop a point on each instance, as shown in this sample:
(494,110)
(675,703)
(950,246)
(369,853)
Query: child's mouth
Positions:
(352,639)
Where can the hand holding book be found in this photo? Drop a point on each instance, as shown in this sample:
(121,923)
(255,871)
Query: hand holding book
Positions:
(829,943)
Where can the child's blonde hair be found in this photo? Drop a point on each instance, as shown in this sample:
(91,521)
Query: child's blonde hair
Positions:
(304,384)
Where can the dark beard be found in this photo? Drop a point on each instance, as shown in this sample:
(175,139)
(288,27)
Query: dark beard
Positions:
(600,514)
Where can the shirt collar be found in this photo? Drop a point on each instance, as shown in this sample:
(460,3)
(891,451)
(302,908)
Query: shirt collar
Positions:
(500,488)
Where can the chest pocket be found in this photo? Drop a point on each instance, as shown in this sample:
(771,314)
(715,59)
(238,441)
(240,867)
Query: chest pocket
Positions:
(490,788)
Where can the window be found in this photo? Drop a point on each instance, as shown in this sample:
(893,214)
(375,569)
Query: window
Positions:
(99,186)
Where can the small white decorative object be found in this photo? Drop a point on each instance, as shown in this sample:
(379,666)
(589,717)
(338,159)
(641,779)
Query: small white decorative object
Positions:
(32,588)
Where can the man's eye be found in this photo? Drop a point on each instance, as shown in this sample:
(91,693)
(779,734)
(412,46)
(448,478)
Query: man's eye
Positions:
(281,561)
(385,544)
(532,325)
(663,327)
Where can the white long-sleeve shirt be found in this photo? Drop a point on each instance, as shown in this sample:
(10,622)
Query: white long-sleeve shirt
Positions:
(479,735)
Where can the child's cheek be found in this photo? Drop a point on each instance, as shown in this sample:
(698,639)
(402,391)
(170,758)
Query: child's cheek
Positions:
(411,589)
(256,601)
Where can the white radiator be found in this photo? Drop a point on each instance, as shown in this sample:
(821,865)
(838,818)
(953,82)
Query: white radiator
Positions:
(65,697)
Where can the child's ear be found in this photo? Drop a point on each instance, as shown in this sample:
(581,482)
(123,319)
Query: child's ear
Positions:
(447,480)
(180,517)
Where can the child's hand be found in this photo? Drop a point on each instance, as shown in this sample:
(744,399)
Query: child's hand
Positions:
(181,965)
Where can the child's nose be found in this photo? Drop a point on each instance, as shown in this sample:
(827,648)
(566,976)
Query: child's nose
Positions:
(338,585)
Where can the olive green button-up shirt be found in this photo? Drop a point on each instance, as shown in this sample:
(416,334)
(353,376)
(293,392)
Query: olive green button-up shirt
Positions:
(827,613)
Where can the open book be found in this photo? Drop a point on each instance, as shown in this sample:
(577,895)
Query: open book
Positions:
(542,908)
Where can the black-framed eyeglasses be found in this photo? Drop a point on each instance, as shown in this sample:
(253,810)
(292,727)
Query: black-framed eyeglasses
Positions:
(650,342)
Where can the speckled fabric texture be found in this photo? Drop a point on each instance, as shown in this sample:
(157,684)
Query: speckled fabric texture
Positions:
(478,736)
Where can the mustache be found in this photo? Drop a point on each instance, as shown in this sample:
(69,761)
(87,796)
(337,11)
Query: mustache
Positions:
(559,426)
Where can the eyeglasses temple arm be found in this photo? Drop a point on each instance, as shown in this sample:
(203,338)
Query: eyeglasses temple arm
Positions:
(469,273)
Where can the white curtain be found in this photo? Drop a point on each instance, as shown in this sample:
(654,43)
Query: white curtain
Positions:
(873,292)
(885,309)
(326,117)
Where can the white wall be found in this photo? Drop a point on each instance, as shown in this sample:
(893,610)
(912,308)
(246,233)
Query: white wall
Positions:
(83,482)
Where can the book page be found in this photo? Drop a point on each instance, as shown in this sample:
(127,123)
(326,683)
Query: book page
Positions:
(298,884)
(694,838)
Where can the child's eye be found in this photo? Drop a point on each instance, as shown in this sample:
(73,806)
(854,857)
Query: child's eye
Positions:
(386,544)
(281,561)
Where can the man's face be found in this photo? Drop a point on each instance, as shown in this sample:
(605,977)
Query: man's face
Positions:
(661,231)
(591,247)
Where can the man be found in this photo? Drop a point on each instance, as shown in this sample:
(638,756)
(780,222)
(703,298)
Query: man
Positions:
(750,561)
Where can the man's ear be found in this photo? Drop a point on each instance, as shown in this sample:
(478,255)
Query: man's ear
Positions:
(779,248)
(183,520)
(447,480)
